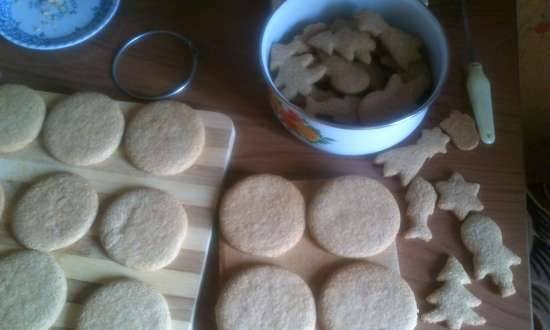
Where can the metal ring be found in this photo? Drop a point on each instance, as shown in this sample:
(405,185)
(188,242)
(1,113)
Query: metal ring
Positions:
(140,37)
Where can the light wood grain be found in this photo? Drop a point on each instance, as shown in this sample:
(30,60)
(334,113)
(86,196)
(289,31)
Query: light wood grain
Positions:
(85,264)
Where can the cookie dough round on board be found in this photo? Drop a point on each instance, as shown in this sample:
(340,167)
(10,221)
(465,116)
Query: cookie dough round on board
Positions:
(353,217)
(263,215)
(366,296)
(84,129)
(55,212)
(144,229)
(22,113)
(164,138)
(125,305)
(266,298)
(33,290)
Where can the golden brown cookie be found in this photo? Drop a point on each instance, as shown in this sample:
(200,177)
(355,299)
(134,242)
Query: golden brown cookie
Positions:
(421,198)
(371,22)
(363,296)
(346,77)
(462,130)
(454,302)
(263,215)
(280,53)
(403,47)
(297,75)
(407,161)
(353,217)
(482,236)
(458,196)
(347,43)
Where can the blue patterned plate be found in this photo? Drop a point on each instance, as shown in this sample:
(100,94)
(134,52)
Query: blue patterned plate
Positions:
(53,24)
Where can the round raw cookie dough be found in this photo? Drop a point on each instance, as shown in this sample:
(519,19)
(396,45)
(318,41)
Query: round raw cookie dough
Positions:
(144,229)
(22,113)
(354,217)
(33,290)
(125,305)
(164,138)
(84,129)
(55,212)
(263,215)
(366,296)
(266,298)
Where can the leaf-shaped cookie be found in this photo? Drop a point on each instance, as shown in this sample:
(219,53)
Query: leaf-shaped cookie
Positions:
(341,110)
(371,22)
(396,98)
(346,77)
(296,77)
(403,47)
(346,42)
(282,52)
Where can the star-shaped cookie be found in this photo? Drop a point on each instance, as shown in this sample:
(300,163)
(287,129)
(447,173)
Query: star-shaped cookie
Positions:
(458,196)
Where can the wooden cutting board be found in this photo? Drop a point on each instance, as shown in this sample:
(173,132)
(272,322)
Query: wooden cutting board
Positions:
(85,263)
(307,259)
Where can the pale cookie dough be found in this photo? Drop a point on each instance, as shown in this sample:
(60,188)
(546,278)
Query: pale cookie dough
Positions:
(125,305)
(454,303)
(366,296)
(458,196)
(346,77)
(165,138)
(297,75)
(462,130)
(354,217)
(263,215)
(83,129)
(33,290)
(421,198)
(371,22)
(55,212)
(22,113)
(144,229)
(482,237)
(266,298)
(407,161)
(280,53)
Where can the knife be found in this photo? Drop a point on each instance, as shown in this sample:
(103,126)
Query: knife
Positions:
(478,87)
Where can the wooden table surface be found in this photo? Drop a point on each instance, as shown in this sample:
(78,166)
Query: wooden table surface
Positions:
(229,80)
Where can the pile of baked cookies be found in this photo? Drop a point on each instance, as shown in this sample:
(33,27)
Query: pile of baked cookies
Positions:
(142,228)
(352,71)
(356,217)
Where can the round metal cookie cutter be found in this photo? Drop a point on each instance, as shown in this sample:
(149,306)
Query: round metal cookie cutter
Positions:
(150,34)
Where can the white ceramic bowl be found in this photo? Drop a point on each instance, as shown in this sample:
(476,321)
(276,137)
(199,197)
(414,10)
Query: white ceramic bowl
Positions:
(409,15)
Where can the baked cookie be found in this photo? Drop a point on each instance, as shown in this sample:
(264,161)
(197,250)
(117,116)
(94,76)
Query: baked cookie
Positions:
(462,130)
(407,161)
(366,296)
(296,76)
(340,110)
(353,217)
(33,289)
(262,215)
(378,76)
(347,43)
(83,129)
(125,305)
(346,77)
(421,198)
(371,22)
(454,303)
(311,30)
(144,229)
(403,47)
(280,53)
(55,212)
(22,113)
(394,100)
(482,237)
(458,196)
(265,298)
(164,138)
